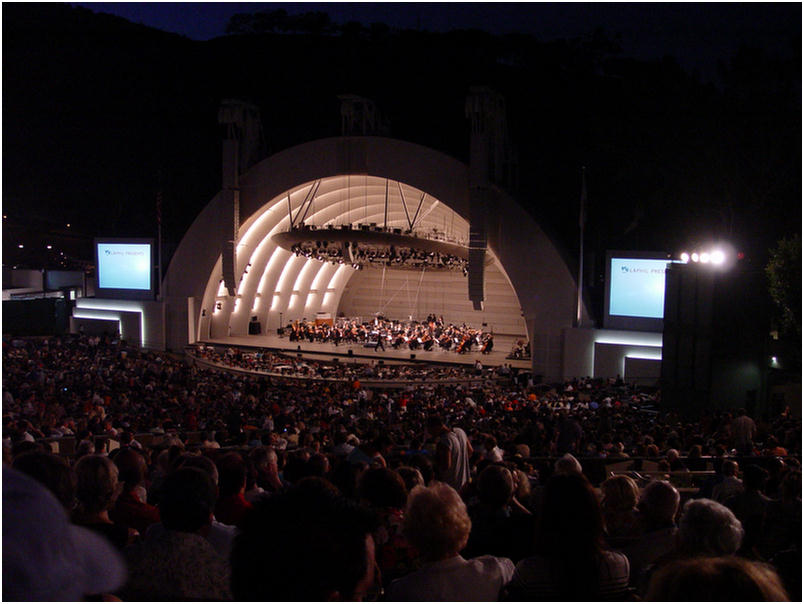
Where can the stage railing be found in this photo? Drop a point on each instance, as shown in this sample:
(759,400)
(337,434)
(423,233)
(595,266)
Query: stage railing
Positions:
(368,382)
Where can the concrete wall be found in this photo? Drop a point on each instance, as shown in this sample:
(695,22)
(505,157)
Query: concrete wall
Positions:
(400,294)
(141,322)
(609,353)
(26,279)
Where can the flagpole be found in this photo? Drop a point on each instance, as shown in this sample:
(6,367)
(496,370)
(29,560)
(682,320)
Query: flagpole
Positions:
(159,243)
(581,224)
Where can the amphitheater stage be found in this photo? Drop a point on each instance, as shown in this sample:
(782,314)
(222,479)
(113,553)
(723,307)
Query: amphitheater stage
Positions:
(361,354)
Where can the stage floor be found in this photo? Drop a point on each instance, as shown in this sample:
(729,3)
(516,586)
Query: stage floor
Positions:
(328,351)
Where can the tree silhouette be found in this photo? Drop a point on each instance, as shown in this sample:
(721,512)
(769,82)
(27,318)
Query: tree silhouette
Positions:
(784,280)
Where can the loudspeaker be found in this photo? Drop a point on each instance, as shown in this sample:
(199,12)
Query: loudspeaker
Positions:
(349,352)
(254,328)
(687,336)
(280,331)
(412,356)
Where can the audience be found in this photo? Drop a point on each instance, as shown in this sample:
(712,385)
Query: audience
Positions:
(209,443)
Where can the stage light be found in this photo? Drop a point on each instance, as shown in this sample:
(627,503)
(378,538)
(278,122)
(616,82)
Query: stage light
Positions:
(695,256)
(20,246)
(718,257)
(685,257)
(704,257)
(50,247)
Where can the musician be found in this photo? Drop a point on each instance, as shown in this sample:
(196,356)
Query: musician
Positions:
(488,344)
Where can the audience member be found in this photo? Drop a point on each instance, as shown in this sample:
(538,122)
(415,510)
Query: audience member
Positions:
(179,564)
(501,526)
(708,528)
(716,579)
(657,508)
(45,557)
(232,505)
(572,562)
(130,508)
(411,476)
(620,496)
(384,491)
(219,535)
(453,450)
(438,526)
(568,464)
(97,490)
(744,430)
(750,506)
(305,544)
(52,471)
(730,485)
(782,527)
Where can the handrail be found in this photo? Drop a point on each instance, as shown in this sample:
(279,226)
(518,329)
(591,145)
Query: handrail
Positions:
(364,381)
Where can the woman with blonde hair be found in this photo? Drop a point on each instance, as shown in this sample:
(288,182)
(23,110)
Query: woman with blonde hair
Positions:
(438,525)
(619,502)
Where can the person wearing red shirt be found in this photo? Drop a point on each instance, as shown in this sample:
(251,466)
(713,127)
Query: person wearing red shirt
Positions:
(232,505)
(131,509)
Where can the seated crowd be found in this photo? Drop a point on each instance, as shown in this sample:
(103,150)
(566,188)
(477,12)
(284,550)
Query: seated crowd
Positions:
(333,491)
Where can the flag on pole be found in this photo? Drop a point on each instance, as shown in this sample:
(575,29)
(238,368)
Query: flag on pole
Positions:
(582,212)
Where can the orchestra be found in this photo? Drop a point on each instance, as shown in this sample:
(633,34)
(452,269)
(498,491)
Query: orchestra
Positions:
(432,334)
